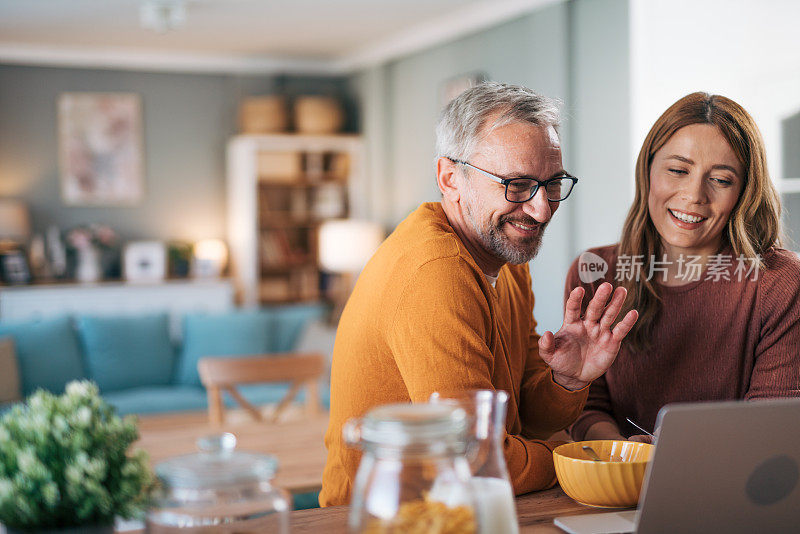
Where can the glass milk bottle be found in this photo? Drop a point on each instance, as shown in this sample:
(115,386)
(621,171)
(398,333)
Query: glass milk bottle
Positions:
(490,480)
(413,476)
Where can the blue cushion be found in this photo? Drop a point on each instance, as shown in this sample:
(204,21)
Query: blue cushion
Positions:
(127,352)
(48,353)
(157,399)
(228,334)
(289,323)
(241,333)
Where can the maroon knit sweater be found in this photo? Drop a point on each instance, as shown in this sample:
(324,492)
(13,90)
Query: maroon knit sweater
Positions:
(713,340)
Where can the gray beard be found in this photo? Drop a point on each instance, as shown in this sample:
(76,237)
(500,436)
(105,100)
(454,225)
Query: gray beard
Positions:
(497,243)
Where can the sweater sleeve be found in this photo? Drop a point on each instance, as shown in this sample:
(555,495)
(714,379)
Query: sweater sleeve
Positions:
(439,336)
(598,405)
(545,408)
(776,372)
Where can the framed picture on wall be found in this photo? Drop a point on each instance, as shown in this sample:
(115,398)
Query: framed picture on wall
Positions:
(100,148)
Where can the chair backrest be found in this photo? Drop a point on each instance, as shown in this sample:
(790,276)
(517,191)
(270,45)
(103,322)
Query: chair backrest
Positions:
(225,373)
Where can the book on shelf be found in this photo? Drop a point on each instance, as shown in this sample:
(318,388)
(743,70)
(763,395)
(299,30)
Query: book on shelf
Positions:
(275,202)
(279,206)
(274,252)
(338,167)
(278,249)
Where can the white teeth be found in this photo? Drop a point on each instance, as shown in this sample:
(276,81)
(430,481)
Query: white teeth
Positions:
(686,218)
(521,226)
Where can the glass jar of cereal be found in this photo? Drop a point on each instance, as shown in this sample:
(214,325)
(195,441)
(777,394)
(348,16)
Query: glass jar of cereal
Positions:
(413,475)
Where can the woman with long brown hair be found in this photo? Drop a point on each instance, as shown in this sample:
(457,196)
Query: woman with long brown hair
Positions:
(700,256)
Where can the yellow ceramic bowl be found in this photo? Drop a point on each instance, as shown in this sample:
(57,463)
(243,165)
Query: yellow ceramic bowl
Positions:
(612,483)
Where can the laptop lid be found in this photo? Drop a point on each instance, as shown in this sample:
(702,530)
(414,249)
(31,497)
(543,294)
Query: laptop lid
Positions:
(724,467)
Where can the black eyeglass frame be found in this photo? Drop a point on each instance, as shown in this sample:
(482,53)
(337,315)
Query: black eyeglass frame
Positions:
(535,189)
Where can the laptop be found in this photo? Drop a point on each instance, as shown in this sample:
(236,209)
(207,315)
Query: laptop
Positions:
(718,467)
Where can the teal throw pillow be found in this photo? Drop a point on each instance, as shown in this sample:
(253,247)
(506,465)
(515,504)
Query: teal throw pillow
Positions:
(127,351)
(290,322)
(48,353)
(229,334)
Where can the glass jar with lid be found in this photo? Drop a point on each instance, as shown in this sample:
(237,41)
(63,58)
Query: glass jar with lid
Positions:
(219,490)
(413,475)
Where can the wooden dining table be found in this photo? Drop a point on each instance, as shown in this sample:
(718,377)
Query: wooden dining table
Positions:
(535,512)
(296,443)
(298,446)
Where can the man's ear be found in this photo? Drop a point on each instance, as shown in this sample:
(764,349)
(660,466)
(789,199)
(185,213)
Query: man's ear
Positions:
(447,179)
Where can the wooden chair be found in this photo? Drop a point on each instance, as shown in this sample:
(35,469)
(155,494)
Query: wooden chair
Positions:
(301,370)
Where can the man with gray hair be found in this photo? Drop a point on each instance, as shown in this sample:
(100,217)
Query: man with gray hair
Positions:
(445,304)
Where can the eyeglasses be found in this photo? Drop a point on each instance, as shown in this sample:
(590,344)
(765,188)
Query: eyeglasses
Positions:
(519,190)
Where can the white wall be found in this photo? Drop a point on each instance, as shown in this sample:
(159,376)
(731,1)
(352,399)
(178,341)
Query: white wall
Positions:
(600,122)
(744,49)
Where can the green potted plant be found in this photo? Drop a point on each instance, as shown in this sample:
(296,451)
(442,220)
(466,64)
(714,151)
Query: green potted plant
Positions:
(65,467)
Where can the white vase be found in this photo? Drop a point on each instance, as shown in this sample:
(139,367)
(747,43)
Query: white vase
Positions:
(88,268)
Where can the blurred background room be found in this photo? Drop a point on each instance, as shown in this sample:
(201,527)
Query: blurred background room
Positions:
(197,156)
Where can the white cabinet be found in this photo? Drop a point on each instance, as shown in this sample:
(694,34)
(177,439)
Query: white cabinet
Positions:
(280,189)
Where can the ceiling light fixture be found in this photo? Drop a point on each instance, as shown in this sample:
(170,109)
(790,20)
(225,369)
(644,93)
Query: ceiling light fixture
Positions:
(162,16)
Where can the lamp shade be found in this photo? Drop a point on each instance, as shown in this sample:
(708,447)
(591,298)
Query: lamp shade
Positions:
(210,257)
(346,245)
(15,222)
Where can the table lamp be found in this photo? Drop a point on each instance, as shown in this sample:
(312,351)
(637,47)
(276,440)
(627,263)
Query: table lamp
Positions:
(345,247)
(210,258)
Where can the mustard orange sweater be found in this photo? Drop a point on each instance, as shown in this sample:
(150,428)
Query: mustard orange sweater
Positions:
(423,318)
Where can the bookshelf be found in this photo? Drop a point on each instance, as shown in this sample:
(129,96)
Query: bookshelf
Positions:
(280,189)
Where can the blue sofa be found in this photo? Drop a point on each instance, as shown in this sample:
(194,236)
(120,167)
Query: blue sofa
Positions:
(139,368)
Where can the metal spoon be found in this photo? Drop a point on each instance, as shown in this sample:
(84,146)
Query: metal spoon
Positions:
(628,419)
(590,451)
